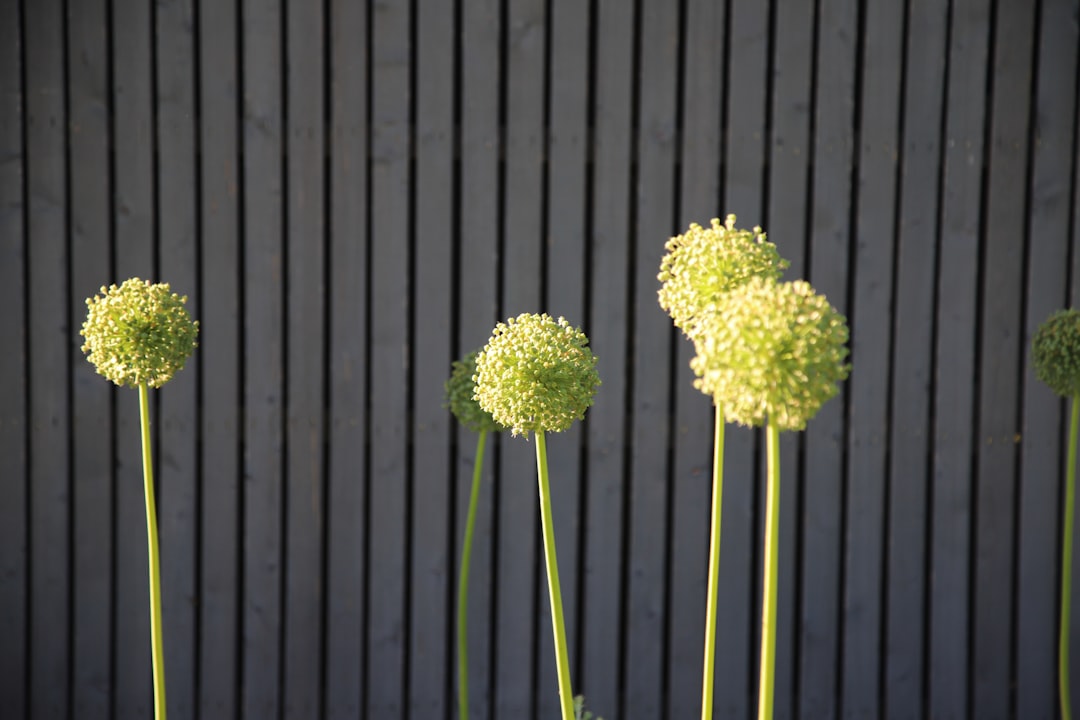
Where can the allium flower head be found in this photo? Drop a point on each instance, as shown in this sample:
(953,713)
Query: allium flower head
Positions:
(702,264)
(1055,349)
(771,349)
(537,374)
(138,332)
(460,400)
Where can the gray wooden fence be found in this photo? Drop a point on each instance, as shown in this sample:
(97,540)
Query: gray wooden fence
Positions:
(352,194)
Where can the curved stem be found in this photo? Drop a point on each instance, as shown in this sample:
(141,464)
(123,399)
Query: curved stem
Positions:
(463,582)
(772,537)
(709,665)
(157,646)
(558,627)
(1066,562)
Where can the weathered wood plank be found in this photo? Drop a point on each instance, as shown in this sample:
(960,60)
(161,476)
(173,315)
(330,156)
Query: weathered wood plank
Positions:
(305,362)
(477,304)
(178,262)
(135,252)
(912,362)
(220,338)
(431,576)
(868,431)
(52,342)
(609,333)
(653,336)
(955,364)
(264,356)
(347,524)
(1041,452)
(88,139)
(521,589)
(389,470)
(14,430)
(1001,336)
(703,50)
(566,260)
(830,240)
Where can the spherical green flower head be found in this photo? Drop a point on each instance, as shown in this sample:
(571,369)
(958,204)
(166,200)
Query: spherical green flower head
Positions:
(460,400)
(138,332)
(702,264)
(771,349)
(536,374)
(1055,348)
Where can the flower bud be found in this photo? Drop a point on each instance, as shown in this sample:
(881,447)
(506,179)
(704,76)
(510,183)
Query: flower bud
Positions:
(138,332)
(1055,350)
(536,374)
(771,349)
(460,400)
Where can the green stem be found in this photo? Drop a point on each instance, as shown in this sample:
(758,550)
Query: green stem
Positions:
(558,627)
(772,537)
(709,664)
(1066,562)
(157,646)
(463,582)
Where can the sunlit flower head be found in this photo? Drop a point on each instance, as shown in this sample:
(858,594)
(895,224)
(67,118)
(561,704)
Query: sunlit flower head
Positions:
(459,397)
(1055,349)
(771,349)
(536,374)
(138,332)
(704,263)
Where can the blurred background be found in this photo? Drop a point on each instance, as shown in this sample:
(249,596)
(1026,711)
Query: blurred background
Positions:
(352,194)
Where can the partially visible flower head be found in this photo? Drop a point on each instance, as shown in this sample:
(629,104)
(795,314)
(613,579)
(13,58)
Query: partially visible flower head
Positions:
(771,349)
(537,374)
(1055,349)
(460,400)
(702,264)
(138,332)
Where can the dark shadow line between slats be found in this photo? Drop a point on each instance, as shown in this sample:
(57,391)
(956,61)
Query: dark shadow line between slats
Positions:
(27,357)
(631,343)
(411,302)
(369,430)
(1021,364)
(65,52)
(200,365)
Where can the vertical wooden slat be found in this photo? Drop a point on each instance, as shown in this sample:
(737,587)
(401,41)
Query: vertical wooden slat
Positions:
(263,198)
(878,151)
(305,153)
(218,356)
(14,467)
(568,67)
(91,403)
(955,363)
(134,242)
(912,358)
(177,476)
(646,607)
(1001,340)
(50,350)
(602,588)
(431,670)
(481,26)
(1041,505)
(828,262)
(390,227)
(348,306)
(521,589)
(703,84)
(788,196)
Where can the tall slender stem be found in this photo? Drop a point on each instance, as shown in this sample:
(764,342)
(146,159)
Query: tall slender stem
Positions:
(558,627)
(463,582)
(709,665)
(157,646)
(772,538)
(1066,562)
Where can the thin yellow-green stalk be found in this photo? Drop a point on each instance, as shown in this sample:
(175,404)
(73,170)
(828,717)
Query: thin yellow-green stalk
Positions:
(772,540)
(709,664)
(463,581)
(157,644)
(1066,562)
